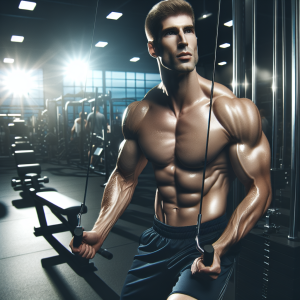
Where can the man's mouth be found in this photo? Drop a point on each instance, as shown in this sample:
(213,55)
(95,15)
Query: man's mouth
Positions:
(184,55)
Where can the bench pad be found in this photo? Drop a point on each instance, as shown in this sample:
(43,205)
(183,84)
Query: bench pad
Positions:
(60,203)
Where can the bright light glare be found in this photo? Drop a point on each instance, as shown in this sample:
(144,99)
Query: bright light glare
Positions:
(17,38)
(225,45)
(27,5)
(273,87)
(77,70)
(19,83)
(222,63)
(114,15)
(101,44)
(228,24)
(135,59)
(204,16)
(8,60)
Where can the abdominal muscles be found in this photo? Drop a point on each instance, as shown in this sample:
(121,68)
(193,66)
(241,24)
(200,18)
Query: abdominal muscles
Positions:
(178,194)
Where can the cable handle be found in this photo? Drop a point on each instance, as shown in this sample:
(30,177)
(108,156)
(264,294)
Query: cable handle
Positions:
(78,235)
(208,250)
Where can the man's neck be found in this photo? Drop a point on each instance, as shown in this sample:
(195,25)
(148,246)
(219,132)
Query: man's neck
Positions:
(183,89)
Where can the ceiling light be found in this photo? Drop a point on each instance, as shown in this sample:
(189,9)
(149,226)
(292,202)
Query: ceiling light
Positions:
(8,60)
(225,45)
(228,24)
(3,115)
(14,115)
(135,59)
(27,5)
(114,15)
(204,16)
(101,44)
(205,13)
(17,38)
(222,63)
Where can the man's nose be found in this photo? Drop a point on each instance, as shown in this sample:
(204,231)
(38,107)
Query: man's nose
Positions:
(182,39)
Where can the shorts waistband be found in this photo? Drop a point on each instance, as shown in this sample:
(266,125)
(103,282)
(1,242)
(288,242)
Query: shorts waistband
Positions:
(189,231)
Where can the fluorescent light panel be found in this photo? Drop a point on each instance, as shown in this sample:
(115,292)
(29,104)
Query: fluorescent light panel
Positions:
(222,63)
(225,45)
(101,44)
(228,24)
(8,60)
(3,115)
(17,38)
(114,15)
(27,5)
(135,59)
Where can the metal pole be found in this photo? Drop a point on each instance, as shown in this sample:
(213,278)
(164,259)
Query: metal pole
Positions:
(238,48)
(254,51)
(65,120)
(82,135)
(111,111)
(105,98)
(294,207)
(274,88)
(284,119)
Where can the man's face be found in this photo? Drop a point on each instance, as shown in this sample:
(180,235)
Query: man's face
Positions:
(177,45)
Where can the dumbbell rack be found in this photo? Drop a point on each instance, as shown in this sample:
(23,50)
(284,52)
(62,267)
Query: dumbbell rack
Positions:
(268,267)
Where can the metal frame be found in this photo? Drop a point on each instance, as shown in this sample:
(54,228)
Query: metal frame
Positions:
(294,207)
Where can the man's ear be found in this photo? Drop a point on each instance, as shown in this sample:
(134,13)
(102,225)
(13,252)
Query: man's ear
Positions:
(152,49)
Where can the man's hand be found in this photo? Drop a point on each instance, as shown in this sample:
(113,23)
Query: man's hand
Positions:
(200,270)
(91,243)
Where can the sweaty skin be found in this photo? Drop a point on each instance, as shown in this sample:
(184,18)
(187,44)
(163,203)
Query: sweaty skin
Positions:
(168,128)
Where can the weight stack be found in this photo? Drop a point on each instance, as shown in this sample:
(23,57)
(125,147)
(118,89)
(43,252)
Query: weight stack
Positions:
(268,267)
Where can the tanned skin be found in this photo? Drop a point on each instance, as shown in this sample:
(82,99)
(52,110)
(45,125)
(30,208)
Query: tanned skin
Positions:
(168,128)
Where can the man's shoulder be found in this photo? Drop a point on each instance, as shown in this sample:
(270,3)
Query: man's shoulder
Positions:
(239,116)
(132,117)
(136,111)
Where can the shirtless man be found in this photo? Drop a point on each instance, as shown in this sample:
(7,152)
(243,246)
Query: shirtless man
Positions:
(168,128)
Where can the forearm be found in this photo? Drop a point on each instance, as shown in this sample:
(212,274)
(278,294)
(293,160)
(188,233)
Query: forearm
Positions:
(244,218)
(117,196)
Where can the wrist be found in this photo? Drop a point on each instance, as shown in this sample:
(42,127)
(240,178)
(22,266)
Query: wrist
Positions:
(218,250)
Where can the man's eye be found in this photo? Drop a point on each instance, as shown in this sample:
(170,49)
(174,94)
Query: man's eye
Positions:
(171,32)
(188,31)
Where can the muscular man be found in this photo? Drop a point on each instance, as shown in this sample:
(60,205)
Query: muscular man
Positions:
(168,128)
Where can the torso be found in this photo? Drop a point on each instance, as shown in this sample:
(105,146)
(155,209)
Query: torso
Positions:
(175,145)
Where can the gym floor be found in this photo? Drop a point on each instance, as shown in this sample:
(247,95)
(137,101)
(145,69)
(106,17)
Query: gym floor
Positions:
(22,275)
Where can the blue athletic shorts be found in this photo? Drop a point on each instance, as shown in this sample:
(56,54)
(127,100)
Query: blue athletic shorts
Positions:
(163,264)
